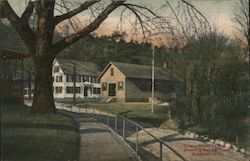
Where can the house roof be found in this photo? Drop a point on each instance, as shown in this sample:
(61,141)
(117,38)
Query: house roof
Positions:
(139,71)
(82,67)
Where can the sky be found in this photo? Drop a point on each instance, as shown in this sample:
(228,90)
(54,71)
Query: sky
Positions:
(218,12)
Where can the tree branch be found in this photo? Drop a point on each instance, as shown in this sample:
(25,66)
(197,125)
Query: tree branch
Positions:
(22,28)
(60,45)
(197,12)
(139,18)
(72,13)
(141,7)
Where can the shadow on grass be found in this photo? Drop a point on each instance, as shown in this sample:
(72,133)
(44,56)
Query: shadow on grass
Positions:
(148,122)
(45,126)
(93,130)
(39,137)
(145,155)
(168,138)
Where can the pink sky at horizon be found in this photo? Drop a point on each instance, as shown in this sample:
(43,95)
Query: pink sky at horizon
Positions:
(218,12)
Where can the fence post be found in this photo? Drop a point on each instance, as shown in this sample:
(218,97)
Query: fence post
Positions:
(136,148)
(98,116)
(107,120)
(115,123)
(160,151)
(123,129)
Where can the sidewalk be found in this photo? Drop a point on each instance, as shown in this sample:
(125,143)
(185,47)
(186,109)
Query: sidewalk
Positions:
(97,143)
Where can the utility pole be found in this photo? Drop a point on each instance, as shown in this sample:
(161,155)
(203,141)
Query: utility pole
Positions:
(22,82)
(153,79)
(74,86)
(29,84)
(2,80)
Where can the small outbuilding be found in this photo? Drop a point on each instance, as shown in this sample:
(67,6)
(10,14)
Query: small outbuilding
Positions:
(133,83)
(11,76)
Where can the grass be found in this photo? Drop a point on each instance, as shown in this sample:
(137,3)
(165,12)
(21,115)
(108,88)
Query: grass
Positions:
(38,137)
(140,112)
(78,100)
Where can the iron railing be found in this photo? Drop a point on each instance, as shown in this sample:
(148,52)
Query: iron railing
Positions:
(146,146)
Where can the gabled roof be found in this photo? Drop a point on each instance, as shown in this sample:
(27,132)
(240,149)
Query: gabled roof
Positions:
(82,67)
(139,71)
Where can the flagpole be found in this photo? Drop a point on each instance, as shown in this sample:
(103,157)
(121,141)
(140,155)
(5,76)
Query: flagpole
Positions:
(153,79)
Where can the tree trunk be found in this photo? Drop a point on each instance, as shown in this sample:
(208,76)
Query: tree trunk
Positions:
(43,101)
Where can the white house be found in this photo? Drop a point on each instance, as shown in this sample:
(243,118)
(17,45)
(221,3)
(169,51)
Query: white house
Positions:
(26,92)
(86,73)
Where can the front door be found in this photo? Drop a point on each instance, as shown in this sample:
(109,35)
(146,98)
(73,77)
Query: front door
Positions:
(85,91)
(112,89)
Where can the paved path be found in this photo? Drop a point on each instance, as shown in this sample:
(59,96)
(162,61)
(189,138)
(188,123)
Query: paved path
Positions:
(97,143)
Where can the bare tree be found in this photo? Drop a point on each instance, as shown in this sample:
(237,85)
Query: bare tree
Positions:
(241,18)
(40,39)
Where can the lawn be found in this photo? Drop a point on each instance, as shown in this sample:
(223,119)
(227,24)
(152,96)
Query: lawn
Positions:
(140,112)
(37,137)
(78,100)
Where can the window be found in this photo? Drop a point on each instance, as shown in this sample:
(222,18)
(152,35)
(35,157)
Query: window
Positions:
(78,78)
(96,80)
(104,86)
(58,89)
(77,89)
(96,91)
(120,85)
(112,71)
(93,79)
(60,78)
(85,78)
(53,79)
(25,92)
(56,69)
(69,78)
(71,90)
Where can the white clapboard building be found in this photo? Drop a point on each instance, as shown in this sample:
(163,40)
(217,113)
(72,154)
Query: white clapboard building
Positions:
(86,83)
